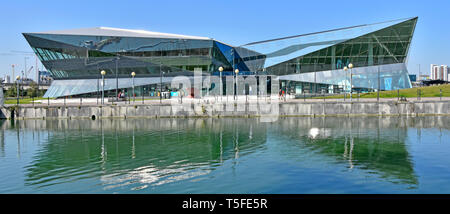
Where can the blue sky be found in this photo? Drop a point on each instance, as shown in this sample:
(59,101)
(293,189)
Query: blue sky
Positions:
(234,22)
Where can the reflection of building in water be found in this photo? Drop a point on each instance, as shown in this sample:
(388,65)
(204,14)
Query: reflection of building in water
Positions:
(145,152)
(150,152)
(373,144)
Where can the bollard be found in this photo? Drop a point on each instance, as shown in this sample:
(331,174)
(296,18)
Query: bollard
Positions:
(81,101)
(32,98)
(65,101)
(378,95)
(440,94)
(48,101)
(398,94)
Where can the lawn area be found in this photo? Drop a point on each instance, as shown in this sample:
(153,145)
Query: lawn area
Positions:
(23,101)
(428,91)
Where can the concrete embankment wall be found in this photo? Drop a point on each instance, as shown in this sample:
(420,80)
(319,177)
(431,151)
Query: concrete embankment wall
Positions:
(230,110)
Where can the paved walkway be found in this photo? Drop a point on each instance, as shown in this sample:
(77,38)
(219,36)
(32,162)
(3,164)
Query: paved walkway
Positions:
(212,99)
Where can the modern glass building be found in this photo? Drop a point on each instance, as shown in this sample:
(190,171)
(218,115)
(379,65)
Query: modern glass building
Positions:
(307,63)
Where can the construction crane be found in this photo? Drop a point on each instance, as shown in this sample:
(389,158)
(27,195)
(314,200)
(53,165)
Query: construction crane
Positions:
(26,73)
(26,54)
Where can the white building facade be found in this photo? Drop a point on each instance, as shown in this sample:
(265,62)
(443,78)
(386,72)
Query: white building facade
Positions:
(439,72)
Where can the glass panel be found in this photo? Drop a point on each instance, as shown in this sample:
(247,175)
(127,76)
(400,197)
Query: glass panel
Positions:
(392,77)
(80,58)
(120,56)
(387,40)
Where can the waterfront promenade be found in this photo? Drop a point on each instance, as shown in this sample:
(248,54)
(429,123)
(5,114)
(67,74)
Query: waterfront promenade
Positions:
(243,106)
(209,100)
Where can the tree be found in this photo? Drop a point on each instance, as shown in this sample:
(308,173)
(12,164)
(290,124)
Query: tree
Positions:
(33,91)
(12,91)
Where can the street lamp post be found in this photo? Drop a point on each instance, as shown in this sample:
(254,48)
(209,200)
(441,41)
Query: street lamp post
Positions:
(237,91)
(378,79)
(221,87)
(351,80)
(117,78)
(160,87)
(315,80)
(257,85)
(18,78)
(103,72)
(132,84)
(345,69)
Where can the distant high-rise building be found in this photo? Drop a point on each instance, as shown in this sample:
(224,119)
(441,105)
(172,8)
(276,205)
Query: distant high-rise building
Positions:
(439,72)
(433,71)
(443,71)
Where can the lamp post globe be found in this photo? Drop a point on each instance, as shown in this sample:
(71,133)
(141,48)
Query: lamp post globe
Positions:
(103,73)
(345,69)
(236,71)
(132,85)
(351,81)
(18,88)
(221,87)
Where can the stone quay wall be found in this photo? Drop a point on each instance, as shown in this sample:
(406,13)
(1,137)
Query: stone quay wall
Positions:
(282,109)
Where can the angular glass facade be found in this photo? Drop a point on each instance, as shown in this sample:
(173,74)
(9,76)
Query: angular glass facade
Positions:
(319,58)
(80,57)
(77,56)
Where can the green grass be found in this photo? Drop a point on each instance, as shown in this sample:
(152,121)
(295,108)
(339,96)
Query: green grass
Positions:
(428,91)
(23,101)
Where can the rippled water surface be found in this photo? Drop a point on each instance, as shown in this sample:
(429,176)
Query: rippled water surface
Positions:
(233,155)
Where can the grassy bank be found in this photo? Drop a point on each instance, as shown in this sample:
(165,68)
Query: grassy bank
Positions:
(23,101)
(428,91)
